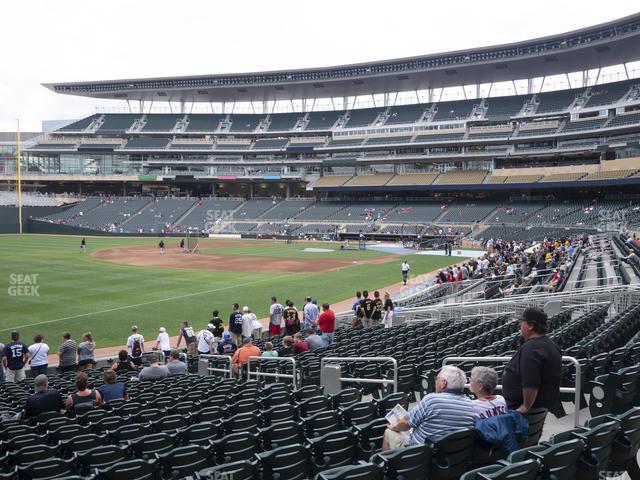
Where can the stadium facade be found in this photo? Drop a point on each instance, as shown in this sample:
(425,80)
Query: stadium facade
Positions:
(580,142)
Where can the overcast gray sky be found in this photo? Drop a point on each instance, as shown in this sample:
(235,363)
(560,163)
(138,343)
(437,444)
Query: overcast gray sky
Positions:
(74,40)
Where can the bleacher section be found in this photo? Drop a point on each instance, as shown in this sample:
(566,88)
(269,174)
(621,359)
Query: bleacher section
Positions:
(406,114)
(147,143)
(207,212)
(556,101)
(159,215)
(320,211)
(204,123)
(456,110)
(464,213)
(245,123)
(514,212)
(503,108)
(360,212)
(461,177)
(415,212)
(161,122)
(376,180)
(254,208)
(323,120)
(117,123)
(609,93)
(287,209)
(76,211)
(110,214)
(362,117)
(283,121)
(413,179)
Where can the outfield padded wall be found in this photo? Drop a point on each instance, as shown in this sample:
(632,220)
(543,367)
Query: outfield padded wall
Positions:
(9,217)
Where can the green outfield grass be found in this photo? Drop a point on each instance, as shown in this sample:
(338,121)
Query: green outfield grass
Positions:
(78,293)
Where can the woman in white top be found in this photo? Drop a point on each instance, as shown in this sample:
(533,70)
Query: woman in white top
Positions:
(163,343)
(483,383)
(39,356)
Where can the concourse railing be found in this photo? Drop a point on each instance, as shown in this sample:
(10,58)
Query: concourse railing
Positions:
(379,381)
(293,376)
(205,368)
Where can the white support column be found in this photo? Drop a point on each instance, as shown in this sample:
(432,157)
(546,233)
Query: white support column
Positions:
(224,107)
(385,99)
(181,106)
(141,106)
(585,77)
(345,103)
(430,95)
(477,90)
(265,107)
(529,86)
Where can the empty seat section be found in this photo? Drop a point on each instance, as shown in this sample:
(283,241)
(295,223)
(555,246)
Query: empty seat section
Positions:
(562,177)
(535,132)
(78,210)
(254,208)
(556,101)
(625,119)
(413,179)
(323,120)
(233,145)
(460,212)
(283,121)
(245,123)
(376,180)
(321,211)
(117,123)
(608,93)
(159,215)
(332,180)
(345,142)
(610,175)
(514,212)
(388,139)
(456,110)
(111,212)
(503,108)
(161,122)
(363,117)
(439,137)
(80,124)
(495,179)
(207,211)
(151,143)
(238,227)
(418,212)
(362,211)
(287,209)
(476,134)
(584,125)
(406,114)
(270,143)
(461,177)
(204,122)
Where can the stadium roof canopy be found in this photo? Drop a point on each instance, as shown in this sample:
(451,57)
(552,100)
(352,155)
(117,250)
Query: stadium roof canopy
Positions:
(607,44)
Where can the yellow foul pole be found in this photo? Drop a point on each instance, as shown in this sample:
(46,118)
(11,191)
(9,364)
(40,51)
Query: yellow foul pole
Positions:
(19,180)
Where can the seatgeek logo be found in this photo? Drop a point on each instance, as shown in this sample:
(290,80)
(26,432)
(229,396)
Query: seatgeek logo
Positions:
(23,285)
(214,219)
(220,476)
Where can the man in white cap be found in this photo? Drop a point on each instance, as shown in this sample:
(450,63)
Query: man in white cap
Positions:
(205,339)
(163,343)
(247,322)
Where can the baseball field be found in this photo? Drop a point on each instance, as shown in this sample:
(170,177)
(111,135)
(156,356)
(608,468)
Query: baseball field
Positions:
(51,286)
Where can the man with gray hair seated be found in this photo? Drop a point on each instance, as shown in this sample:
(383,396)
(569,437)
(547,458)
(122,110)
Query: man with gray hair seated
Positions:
(154,370)
(482,383)
(44,399)
(437,413)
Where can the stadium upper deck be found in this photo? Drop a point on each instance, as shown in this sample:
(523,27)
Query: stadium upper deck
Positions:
(598,46)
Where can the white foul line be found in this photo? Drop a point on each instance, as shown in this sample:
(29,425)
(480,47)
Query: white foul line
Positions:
(149,303)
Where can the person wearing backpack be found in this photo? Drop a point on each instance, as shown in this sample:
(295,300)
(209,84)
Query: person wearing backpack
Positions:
(291,319)
(135,343)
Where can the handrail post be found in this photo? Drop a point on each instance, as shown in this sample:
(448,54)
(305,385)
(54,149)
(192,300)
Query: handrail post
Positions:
(211,369)
(391,360)
(293,376)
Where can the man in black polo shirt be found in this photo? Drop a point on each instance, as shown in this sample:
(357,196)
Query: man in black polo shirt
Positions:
(532,377)
(235,324)
(44,400)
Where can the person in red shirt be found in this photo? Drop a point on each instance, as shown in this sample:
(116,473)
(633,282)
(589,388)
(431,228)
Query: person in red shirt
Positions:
(327,323)
(299,345)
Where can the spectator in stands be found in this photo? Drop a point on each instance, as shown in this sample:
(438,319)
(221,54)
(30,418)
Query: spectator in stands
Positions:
(154,370)
(291,319)
(632,258)
(310,314)
(379,306)
(269,351)
(112,389)
(241,356)
(287,347)
(163,343)
(531,379)
(123,364)
(86,351)
(482,383)
(438,413)
(256,326)
(299,345)
(175,366)
(218,326)
(227,346)
(356,321)
(205,340)
(367,308)
(189,336)
(275,317)
(43,400)
(235,324)
(85,398)
(135,343)
(387,320)
(314,341)
(67,354)
(39,356)
(15,356)
(327,324)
